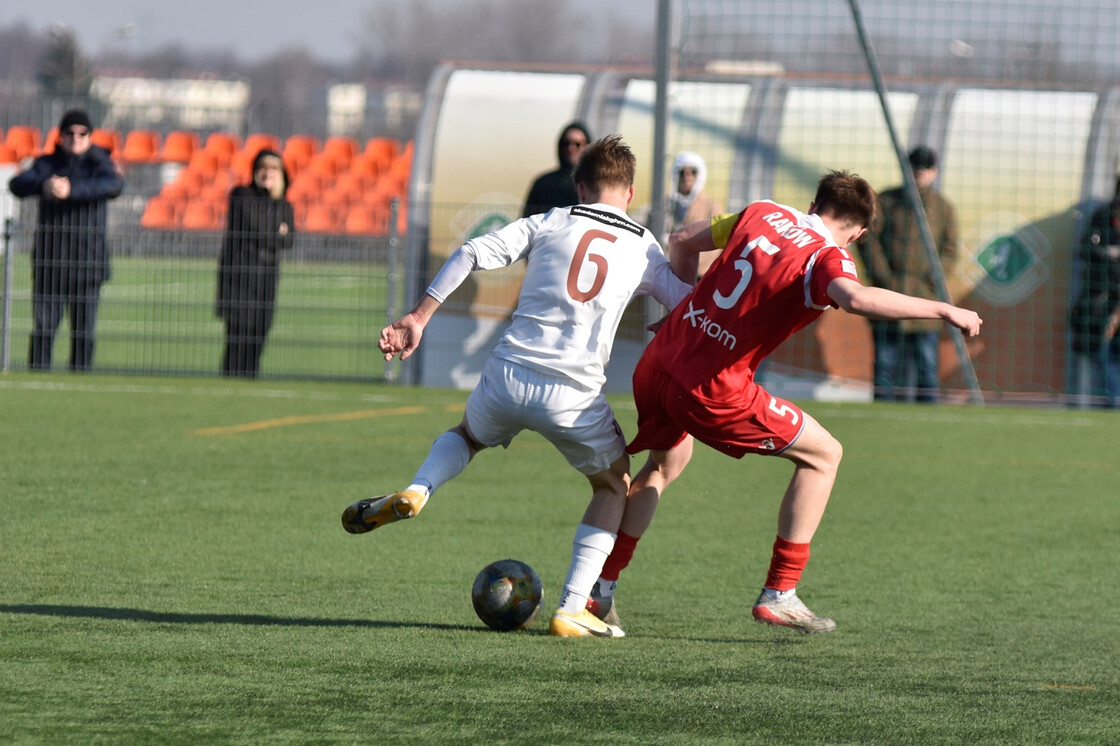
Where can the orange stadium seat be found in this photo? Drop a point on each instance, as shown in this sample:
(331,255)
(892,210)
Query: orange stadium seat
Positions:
(390,186)
(206,162)
(320,218)
(367,220)
(109,139)
(222,145)
(258,141)
(186,184)
(141,146)
(352,184)
(367,166)
(382,150)
(324,165)
(216,192)
(299,149)
(8,154)
(202,215)
(341,149)
(307,186)
(160,213)
(178,146)
(50,142)
(25,140)
(241,167)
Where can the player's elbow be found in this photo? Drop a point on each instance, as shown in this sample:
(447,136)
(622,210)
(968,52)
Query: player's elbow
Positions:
(848,296)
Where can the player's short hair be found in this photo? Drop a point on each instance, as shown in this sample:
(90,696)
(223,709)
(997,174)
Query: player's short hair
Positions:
(846,197)
(604,163)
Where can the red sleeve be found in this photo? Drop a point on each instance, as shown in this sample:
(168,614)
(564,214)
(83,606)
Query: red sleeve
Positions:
(828,264)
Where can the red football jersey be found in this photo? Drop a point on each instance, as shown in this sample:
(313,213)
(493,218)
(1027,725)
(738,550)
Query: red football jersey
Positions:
(770,280)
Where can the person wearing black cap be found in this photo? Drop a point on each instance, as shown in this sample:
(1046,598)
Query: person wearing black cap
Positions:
(556,188)
(895,258)
(70,258)
(260,223)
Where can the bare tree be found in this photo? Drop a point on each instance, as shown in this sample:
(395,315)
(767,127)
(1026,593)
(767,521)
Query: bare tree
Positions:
(283,89)
(20,49)
(407,40)
(64,70)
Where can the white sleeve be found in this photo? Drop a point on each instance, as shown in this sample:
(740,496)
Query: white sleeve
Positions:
(500,248)
(660,280)
(451,274)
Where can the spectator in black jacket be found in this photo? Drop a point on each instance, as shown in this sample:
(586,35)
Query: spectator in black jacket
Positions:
(1095,315)
(70,259)
(556,188)
(260,223)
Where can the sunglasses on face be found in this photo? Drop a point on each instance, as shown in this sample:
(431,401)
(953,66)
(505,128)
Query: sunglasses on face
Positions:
(689,171)
(76,133)
(575,144)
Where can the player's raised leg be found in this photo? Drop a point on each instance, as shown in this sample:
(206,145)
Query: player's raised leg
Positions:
(448,457)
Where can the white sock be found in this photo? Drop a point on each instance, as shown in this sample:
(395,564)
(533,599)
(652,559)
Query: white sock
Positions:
(446,460)
(590,550)
(606,587)
(775,595)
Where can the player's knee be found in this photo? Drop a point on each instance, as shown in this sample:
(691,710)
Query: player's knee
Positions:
(611,482)
(832,453)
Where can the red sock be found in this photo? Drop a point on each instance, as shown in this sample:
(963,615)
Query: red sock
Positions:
(620,557)
(786,564)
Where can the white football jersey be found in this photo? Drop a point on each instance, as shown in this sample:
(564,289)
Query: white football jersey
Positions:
(585,264)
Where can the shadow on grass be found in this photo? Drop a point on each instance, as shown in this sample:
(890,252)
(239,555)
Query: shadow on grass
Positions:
(780,637)
(261,620)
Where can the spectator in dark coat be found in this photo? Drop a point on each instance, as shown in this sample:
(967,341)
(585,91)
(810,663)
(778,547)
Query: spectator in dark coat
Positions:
(260,223)
(1095,316)
(896,259)
(556,188)
(70,259)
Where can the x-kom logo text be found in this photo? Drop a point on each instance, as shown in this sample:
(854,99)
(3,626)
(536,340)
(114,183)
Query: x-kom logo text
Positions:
(699,320)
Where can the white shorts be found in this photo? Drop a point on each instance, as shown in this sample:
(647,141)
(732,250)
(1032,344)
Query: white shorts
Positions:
(580,423)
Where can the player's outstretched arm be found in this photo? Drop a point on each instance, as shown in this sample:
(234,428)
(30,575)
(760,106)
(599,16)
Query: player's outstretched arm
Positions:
(880,303)
(685,245)
(403,335)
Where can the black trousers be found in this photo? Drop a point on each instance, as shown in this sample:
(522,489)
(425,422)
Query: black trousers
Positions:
(49,302)
(247,328)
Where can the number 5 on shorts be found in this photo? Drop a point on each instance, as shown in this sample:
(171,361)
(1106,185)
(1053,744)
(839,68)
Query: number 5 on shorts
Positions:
(783,410)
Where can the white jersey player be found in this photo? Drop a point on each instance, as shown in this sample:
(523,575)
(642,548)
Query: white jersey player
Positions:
(584,265)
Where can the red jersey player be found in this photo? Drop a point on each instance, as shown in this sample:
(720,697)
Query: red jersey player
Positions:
(778,271)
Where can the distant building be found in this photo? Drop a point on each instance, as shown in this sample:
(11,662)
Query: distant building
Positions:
(131,103)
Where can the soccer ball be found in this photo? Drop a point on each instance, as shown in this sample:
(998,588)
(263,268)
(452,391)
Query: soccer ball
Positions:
(507,595)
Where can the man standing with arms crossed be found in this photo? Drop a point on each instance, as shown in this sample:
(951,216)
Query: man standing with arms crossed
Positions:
(778,271)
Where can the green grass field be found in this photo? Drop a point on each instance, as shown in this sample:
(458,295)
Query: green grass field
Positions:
(174,571)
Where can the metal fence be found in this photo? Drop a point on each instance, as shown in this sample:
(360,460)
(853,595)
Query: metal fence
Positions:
(157,312)
(1018,98)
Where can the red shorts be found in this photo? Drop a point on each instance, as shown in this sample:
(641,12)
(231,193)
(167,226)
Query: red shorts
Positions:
(761,423)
